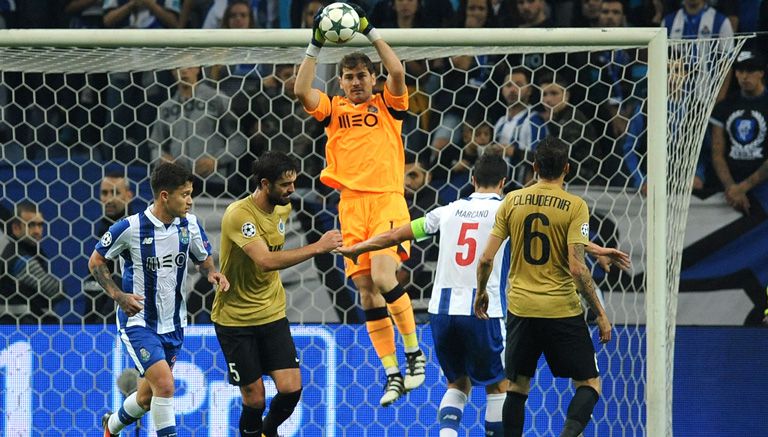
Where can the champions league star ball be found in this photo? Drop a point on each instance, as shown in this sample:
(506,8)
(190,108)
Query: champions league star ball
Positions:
(339,23)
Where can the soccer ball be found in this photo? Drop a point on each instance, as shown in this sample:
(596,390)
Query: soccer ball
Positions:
(339,23)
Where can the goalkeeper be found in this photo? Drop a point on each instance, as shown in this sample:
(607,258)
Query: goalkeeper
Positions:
(365,161)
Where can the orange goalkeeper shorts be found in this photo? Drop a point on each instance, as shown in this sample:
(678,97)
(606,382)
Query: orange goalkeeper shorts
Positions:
(363,215)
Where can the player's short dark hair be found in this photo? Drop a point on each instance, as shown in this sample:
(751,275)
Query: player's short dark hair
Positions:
(354,59)
(490,168)
(272,165)
(168,176)
(551,155)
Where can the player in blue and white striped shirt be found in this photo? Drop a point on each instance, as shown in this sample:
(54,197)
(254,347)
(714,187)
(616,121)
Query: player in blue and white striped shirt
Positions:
(468,349)
(153,247)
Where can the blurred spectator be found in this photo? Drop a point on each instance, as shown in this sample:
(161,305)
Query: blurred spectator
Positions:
(115,195)
(570,125)
(696,19)
(403,14)
(196,129)
(132,97)
(266,13)
(588,14)
(281,124)
(425,13)
(85,14)
(465,86)
(415,274)
(141,14)
(419,193)
(521,128)
(561,11)
(239,81)
(28,288)
(451,165)
(475,14)
(303,10)
(193,13)
(740,132)
(610,77)
(612,14)
(533,13)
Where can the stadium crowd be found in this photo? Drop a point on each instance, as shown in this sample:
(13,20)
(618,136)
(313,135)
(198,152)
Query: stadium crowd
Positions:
(217,120)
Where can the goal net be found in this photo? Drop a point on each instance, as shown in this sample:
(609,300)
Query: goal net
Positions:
(82,108)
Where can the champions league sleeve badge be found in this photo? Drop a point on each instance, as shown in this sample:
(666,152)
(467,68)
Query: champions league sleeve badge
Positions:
(248,229)
(106,239)
(585,229)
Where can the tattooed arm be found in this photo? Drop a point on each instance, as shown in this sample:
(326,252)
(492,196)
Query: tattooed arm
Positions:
(129,302)
(586,287)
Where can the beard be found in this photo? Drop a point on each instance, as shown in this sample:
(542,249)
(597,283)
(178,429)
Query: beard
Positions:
(276,199)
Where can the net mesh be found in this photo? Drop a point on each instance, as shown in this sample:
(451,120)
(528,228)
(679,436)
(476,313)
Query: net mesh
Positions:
(73,115)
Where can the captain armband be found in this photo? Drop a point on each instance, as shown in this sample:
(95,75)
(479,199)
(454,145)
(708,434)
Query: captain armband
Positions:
(418,227)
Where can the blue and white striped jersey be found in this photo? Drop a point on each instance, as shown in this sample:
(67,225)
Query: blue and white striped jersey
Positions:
(707,23)
(464,227)
(524,130)
(143,18)
(153,259)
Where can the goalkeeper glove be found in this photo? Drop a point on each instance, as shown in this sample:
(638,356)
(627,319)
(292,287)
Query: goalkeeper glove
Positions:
(317,41)
(365,27)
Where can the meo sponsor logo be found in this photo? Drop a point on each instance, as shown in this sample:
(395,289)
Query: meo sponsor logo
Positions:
(357,120)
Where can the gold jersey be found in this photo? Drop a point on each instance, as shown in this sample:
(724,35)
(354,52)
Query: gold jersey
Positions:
(255,297)
(541,221)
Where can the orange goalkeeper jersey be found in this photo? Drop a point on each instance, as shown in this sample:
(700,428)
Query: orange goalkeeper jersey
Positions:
(365,149)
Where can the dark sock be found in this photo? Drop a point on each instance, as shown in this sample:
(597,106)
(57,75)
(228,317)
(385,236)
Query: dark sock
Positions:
(513,414)
(280,409)
(579,411)
(250,421)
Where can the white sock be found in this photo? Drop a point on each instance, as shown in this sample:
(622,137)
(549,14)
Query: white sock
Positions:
(494,406)
(451,410)
(162,412)
(131,408)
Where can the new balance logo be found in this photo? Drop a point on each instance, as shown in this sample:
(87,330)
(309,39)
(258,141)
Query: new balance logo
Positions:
(347,121)
(451,417)
(147,240)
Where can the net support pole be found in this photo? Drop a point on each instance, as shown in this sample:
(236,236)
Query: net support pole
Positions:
(659,352)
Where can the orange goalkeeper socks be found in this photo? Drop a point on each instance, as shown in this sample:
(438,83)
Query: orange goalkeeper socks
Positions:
(399,304)
(382,335)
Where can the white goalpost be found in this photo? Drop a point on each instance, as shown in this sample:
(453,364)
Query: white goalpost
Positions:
(65,95)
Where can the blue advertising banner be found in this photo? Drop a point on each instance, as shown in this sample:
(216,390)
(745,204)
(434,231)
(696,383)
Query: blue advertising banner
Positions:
(61,380)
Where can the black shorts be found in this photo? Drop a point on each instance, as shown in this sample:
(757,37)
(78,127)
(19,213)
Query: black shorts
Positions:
(254,351)
(565,342)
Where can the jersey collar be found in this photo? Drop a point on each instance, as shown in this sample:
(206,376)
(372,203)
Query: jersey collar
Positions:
(156,221)
(484,196)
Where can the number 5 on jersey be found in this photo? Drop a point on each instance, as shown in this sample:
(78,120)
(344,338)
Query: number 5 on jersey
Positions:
(465,259)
